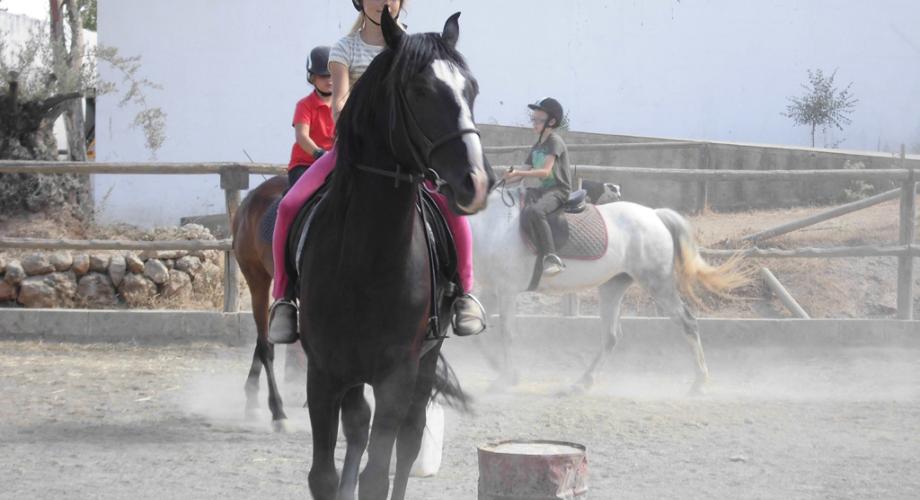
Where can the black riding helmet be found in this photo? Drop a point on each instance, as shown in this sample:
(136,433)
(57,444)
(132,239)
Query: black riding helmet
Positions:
(552,108)
(318,62)
(360,8)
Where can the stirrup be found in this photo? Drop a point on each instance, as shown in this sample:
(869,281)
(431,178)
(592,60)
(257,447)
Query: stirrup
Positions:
(552,265)
(478,315)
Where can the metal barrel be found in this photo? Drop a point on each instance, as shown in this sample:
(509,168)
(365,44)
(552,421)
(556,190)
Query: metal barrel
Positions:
(533,470)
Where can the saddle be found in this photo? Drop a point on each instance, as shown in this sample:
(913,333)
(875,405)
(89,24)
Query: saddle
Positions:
(440,243)
(579,233)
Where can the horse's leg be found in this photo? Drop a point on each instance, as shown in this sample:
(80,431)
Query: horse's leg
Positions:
(666,295)
(410,434)
(356,417)
(611,298)
(265,350)
(264,353)
(392,402)
(324,399)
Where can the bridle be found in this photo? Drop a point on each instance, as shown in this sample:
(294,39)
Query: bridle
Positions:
(421,148)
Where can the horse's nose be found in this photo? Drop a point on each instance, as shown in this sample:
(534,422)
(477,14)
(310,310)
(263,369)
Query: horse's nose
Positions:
(477,184)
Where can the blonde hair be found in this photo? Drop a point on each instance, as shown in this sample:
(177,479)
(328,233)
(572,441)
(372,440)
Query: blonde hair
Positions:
(359,22)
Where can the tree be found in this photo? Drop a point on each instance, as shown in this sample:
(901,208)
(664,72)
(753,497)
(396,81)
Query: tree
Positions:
(68,60)
(822,105)
(87,10)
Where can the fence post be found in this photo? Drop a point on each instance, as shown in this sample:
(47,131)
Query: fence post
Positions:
(906,261)
(570,304)
(232,180)
(702,187)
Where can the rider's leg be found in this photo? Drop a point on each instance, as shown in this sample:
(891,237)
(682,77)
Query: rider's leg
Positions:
(534,216)
(469,317)
(283,321)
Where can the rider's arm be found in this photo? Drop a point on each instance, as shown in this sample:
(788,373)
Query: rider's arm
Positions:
(540,173)
(302,136)
(340,86)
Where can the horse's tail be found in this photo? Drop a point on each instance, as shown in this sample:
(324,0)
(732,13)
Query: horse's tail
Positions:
(448,387)
(692,269)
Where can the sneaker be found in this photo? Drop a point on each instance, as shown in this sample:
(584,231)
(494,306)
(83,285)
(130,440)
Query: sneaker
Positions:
(552,265)
(282,322)
(468,316)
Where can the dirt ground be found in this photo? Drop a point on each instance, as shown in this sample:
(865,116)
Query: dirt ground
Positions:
(133,421)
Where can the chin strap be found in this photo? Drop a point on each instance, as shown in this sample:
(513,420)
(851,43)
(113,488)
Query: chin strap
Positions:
(375,22)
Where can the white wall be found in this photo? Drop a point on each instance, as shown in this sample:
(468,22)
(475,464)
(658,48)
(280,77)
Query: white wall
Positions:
(720,69)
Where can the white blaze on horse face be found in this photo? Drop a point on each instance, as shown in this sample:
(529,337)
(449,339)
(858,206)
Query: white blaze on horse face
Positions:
(454,79)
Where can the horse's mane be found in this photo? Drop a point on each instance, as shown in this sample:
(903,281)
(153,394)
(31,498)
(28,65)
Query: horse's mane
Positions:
(377,92)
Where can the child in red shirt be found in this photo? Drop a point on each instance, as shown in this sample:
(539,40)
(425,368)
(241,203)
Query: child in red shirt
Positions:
(313,125)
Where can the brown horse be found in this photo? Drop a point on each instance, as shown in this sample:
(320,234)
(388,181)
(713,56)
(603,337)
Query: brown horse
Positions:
(254,255)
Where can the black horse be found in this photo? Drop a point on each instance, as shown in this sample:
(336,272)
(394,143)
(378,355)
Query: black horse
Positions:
(364,285)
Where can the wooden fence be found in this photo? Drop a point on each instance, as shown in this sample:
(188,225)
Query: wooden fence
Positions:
(234,177)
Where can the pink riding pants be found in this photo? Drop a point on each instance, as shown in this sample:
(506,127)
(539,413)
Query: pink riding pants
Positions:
(311,180)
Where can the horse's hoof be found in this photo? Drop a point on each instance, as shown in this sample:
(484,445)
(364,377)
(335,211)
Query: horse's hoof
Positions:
(698,388)
(281,426)
(251,414)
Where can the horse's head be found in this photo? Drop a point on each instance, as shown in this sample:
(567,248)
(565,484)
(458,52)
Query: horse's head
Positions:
(427,94)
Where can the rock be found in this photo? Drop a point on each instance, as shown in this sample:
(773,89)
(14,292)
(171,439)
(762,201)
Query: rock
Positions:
(172,254)
(7,291)
(34,292)
(62,261)
(2,264)
(50,290)
(178,286)
(195,232)
(189,264)
(117,268)
(36,263)
(135,264)
(14,273)
(207,278)
(95,291)
(169,263)
(98,263)
(156,271)
(207,255)
(163,254)
(80,264)
(137,290)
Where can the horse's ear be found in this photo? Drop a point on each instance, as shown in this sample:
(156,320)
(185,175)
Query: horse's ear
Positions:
(392,32)
(451,32)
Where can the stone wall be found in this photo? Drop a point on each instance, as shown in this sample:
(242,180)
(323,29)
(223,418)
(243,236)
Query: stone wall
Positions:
(108,280)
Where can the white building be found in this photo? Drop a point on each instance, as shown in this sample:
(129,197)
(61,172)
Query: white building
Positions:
(232,70)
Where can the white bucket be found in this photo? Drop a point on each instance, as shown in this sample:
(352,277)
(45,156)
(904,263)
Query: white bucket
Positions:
(428,462)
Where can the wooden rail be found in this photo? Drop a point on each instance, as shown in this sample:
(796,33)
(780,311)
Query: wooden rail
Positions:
(619,146)
(812,252)
(57,244)
(784,296)
(235,177)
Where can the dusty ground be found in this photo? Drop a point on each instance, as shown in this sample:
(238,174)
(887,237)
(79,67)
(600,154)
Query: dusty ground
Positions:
(126,421)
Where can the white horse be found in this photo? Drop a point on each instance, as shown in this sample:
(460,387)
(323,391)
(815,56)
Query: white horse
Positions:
(654,248)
